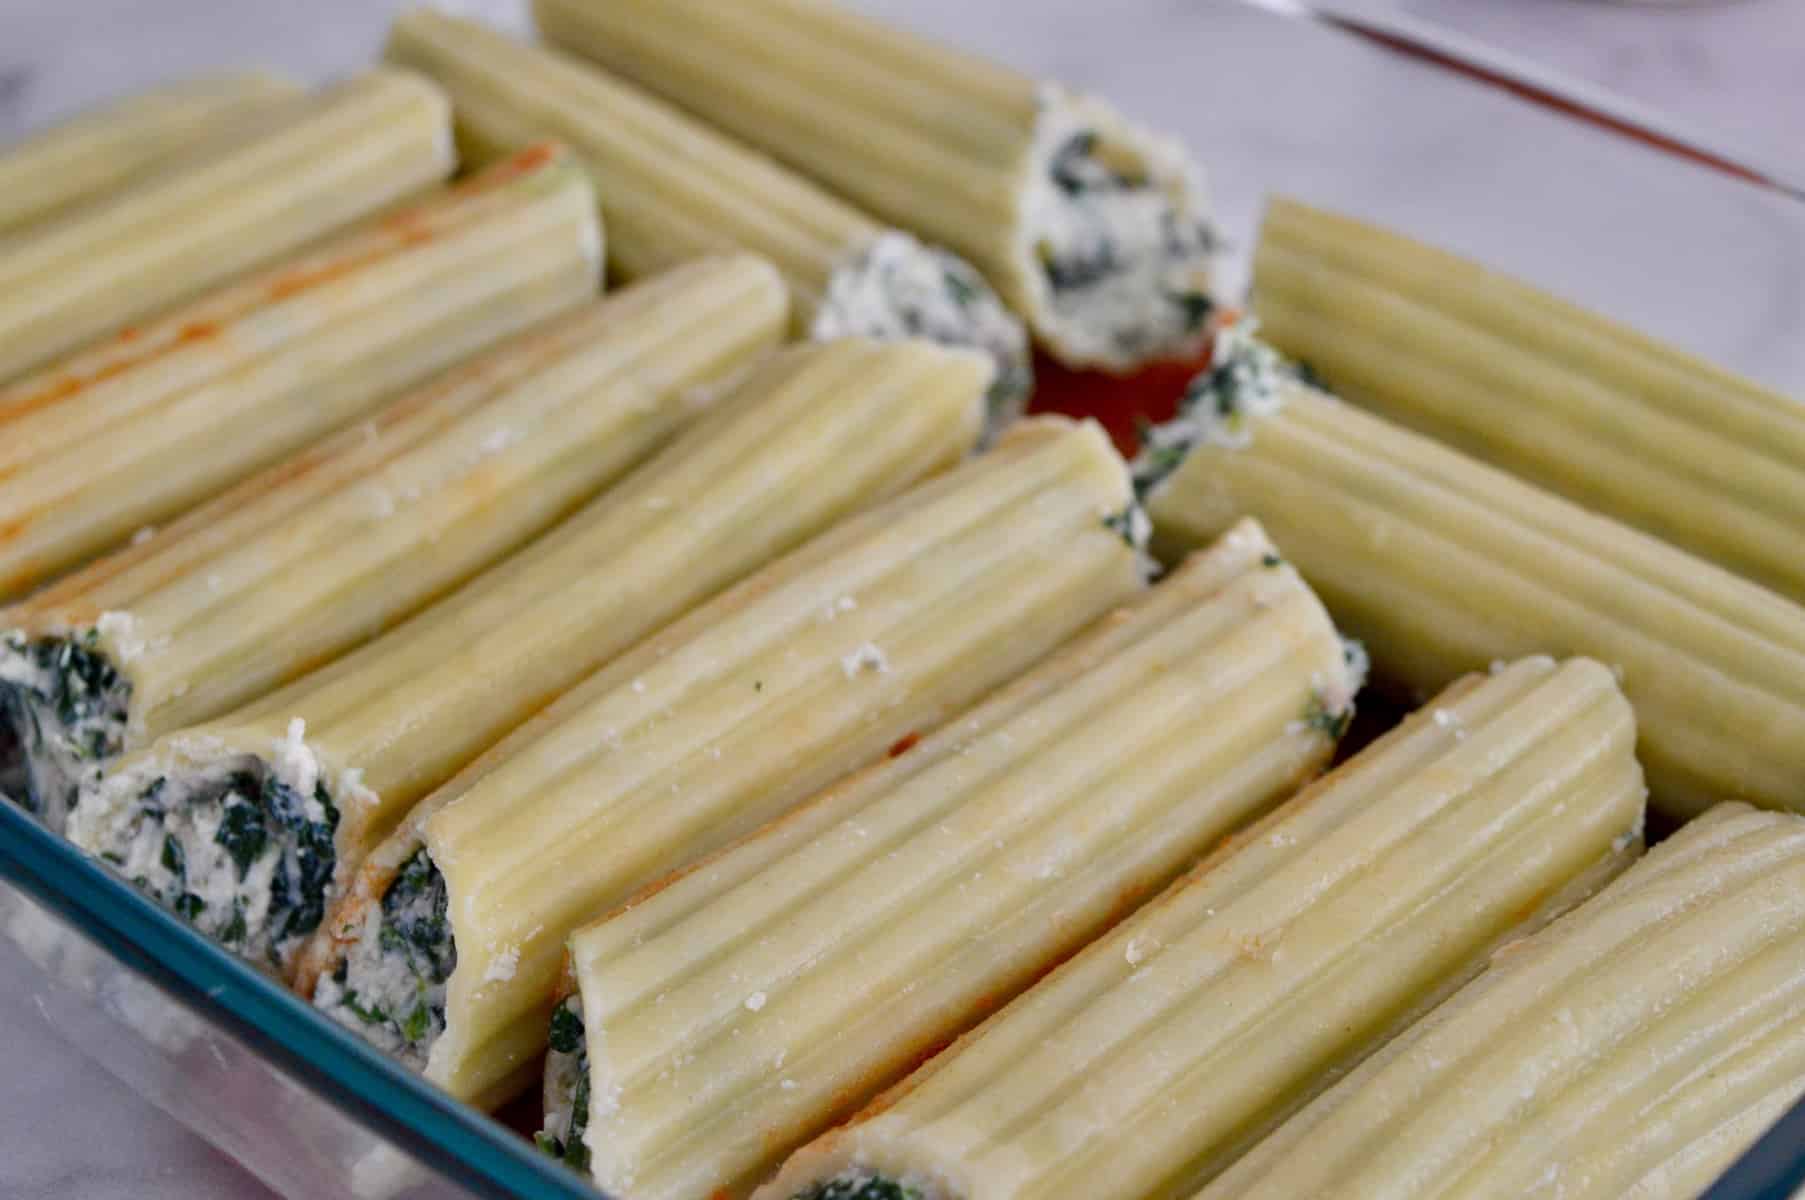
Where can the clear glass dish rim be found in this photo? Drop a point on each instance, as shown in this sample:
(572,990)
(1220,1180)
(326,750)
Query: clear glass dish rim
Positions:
(484,1156)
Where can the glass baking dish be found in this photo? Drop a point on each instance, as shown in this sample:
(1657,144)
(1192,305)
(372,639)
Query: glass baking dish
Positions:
(1273,98)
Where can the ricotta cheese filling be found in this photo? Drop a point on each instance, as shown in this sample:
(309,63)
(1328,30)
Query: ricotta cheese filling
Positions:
(242,847)
(1245,382)
(1135,528)
(1331,707)
(897,288)
(390,986)
(567,1089)
(857,1183)
(63,709)
(1117,225)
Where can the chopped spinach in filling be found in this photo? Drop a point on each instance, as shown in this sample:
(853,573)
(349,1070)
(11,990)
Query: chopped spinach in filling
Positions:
(1132,526)
(1118,237)
(567,1089)
(1245,382)
(897,288)
(1135,529)
(233,848)
(1331,707)
(1327,720)
(390,986)
(859,1185)
(62,713)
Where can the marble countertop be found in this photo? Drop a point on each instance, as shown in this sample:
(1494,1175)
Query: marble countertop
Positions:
(1716,265)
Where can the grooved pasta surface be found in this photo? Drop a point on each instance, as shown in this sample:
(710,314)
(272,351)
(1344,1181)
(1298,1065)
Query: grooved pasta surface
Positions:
(1148,1063)
(888,623)
(1612,420)
(143,425)
(1442,565)
(746,1006)
(1634,1048)
(671,188)
(91,156)
(329,547)
(329,159)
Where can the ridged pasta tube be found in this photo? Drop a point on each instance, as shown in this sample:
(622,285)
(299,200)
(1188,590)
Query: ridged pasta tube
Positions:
(1441,564)
(1634,1049)
(672,188)
(337,156)
(1148,1063)
(1096,231)
(1613,420)
(326,550)
(153,421)
(323,769)
(83,159)
(887,624)
(747,1006)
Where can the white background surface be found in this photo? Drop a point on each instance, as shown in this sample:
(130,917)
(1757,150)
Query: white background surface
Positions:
(1716,266)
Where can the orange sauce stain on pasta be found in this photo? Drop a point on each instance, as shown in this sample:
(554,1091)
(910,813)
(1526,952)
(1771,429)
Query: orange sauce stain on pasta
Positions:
(288,286)
(63,387)
(523,163)
(58,391)
(482,486)
(406,228)
(905,744)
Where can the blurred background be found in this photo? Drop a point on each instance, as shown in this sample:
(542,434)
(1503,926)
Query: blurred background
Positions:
(1685,252)
(1733,72)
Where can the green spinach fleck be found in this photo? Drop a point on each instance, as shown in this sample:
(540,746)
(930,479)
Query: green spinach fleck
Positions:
(299,886)
(72,714)
(1330,722)
(243,833)
(859,1185)
(1196,306)
(1131,525)
(567,1029)
(567,1039)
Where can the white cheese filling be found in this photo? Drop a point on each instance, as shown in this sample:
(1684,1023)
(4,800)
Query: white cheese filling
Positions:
(1332,696)
(1117,222)
(1246,382)
(897,288)
(63,712)
(239,845)
(862,1183)
(565,1136)
(389,988)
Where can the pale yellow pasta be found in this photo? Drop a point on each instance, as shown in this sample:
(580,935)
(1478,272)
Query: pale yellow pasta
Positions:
(672,188)
(1094,230)
(149,423)
(1580,405)
(1633,1049)
(326,550)
(339,155)
(1151,1061)
(337,759)
(1441,565)
(91,155)
(886,625)
(744,1008)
